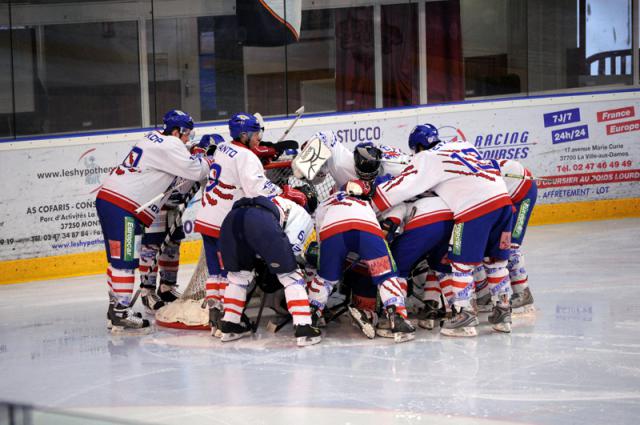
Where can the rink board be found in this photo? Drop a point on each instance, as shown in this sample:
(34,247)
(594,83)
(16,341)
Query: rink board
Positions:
(587,142)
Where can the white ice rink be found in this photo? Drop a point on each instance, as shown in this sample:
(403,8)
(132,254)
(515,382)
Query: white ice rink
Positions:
(575,361)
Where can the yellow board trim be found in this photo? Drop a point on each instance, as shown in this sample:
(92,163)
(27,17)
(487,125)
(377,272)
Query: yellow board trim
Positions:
(63,266)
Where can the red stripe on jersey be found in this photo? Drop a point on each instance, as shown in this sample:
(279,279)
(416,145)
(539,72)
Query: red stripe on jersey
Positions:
(350,224)
(483,208)
(429,218)
(126,204)
(206,229)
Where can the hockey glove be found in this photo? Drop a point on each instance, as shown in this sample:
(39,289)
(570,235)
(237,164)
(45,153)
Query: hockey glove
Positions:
(389,228)
(294,195)
(360,189)
(266,153)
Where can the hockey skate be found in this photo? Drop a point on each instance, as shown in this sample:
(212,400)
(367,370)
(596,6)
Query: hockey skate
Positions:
(307,335)
(401,328)
(150,299)
(231,331)
(168,292)
(484,303)
(462,323)
(365,320)
(121,319)
(522,303)
(215,316)
(431,315)
(500,317)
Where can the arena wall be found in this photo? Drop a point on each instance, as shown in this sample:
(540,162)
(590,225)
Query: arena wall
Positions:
(588,143)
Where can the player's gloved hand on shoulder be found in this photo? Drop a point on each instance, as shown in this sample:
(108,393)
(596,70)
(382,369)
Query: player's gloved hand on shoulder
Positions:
(266,153)
(294,195)
(359,188)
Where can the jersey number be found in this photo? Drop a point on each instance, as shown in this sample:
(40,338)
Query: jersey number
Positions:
(214,176)
(477,164)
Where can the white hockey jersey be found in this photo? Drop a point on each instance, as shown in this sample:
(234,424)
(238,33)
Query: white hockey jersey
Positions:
(235,173)
(342,166)
(455,171)
(421,212)
(517,188)
(340,213)
(153,166)
(297,225)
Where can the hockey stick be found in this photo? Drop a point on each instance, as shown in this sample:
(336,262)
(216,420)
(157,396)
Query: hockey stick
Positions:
(521,177)
(299,113)
(160,196)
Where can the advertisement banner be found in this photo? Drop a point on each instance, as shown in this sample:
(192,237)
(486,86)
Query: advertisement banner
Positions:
(589,145)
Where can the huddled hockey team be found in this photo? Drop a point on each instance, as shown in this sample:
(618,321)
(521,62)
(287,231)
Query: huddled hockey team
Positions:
(440,219)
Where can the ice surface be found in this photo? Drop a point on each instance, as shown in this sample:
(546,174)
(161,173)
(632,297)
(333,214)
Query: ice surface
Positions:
(575,361)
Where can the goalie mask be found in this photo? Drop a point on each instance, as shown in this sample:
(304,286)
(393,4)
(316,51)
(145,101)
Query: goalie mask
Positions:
(367,161)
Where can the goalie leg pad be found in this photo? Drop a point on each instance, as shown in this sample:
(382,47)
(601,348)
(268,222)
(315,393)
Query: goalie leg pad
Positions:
(169,263)
(148,275)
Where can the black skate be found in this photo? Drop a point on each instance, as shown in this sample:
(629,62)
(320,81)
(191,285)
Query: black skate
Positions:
(168,292)
(365,320)
(401,328)
(431,315)
(215,317)
(463,322)
(231,331)
(123,320)
(500,317)
(150,299)
(522,302)
(307,335)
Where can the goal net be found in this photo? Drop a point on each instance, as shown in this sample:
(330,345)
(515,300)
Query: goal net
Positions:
(190,311)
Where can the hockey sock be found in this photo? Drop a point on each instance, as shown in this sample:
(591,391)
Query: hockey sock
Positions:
(148,276)
(462,284)
(498,278)
(446,280)
(169,262)
(319,291)
(517,271)
(391,293)
(235,296)
(120,283)
(296,296)
(432,290)
(214,295)
(480,281)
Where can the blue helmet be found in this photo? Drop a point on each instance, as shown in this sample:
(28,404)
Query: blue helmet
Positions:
(177,119)
(425,135)
(209,139)
(243,123)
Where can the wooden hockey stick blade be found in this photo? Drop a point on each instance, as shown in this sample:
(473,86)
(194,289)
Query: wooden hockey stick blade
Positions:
(311,159)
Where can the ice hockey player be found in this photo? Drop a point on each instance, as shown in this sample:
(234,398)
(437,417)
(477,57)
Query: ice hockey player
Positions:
(347,223)
(523,193)
(235,173)
(426,229)
(152,167)
(166,261)
(341,164)
(476,194)
(276,231)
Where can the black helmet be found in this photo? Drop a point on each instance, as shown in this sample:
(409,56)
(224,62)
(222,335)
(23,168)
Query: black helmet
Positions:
(367,158)
(311,195)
